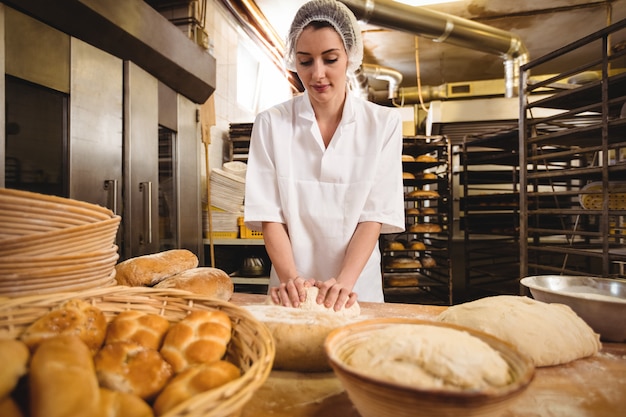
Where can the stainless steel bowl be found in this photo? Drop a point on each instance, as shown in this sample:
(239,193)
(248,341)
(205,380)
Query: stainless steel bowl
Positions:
(601,302)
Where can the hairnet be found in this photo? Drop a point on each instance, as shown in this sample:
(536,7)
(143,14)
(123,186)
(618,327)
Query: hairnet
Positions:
(339,17)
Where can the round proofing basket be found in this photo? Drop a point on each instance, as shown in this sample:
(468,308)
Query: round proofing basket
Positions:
(251,347)
(374,397)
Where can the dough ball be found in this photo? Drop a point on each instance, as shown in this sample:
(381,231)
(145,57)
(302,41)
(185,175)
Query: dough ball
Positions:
(430,357)
(310,304)
(550,334)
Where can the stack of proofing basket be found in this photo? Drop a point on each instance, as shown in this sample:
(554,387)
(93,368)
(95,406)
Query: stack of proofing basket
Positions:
(53,250)
(50,244)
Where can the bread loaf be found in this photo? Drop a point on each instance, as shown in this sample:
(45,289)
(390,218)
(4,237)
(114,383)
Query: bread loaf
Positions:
(425,228)
(428,262)
(201,337)
(131,368)
(423,194)
(417,245)
(9,408)
(395,245)
(62,380)
(408,176)
(425,158)
(73,317)
(121,404)
(146,329)
(212,282)
(192,381)
(408,158)
(153,268)
(404,263)
(14,356)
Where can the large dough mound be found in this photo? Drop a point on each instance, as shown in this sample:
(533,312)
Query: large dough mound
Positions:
(550,334)
(299,333)
(430,357)
(310,304)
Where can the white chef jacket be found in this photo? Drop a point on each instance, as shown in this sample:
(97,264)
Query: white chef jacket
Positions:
(321,194)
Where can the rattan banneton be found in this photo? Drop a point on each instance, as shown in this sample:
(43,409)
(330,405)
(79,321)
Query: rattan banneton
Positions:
(251,348)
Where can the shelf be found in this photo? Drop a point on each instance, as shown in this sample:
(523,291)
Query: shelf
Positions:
(582,144)
(235,242)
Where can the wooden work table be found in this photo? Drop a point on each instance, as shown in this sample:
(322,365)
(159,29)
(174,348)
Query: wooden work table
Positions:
(590,387)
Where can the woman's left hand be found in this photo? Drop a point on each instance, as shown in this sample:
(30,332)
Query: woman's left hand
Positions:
(334,294)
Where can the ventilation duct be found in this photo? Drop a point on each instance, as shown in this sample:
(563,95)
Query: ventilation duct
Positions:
(442,27)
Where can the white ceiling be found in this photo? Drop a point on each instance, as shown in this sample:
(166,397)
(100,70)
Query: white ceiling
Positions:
(543,26)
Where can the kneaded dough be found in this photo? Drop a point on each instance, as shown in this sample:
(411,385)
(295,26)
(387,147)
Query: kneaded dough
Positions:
(550,334)
(430,357)
(310,304)
(299,334)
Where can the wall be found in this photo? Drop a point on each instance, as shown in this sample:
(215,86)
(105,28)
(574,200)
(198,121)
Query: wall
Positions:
(225,40)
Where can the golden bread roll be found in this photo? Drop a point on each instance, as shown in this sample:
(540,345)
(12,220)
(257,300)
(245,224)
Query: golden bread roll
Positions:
(407,158)
(212,282)
(428,176)
(404,263)
(14,356)
(201,337)
(395,245)
(429,210)
(9,408)
(417,245)
(194,380)
(131,368)
(408,176)
(62,379)
(425,158)
(153,268)
(146,329)
(428,262)
(411,281)
(424,228)
(122,404)
(423,194)
(73,317)
(413,211)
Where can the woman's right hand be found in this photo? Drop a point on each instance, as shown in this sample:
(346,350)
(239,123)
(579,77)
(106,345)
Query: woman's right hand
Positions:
(292,292)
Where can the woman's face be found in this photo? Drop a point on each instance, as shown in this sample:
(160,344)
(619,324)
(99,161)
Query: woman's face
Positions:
(322,63)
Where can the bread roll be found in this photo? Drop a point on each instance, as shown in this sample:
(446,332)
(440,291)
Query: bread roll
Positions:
(428,262)
(395,245)
(424,228)
(146,329)
(14,356)
(192,381)
(131,368)
(201,337)
(429,210)
(423,194)
(404,263)
(408,176)
(411,281)
(413,211)
(62,379)
(212,282)
(9,408)
(153,268)
(417,245)
(121,404)
(73,317)
(425,158)
(408,158)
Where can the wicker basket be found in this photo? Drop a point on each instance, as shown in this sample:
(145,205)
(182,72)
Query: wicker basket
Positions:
(251,347)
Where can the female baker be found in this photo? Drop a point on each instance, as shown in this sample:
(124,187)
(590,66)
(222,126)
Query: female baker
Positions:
(324,175)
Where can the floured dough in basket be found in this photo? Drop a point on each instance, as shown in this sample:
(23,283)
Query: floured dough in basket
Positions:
(550,334)
(429,357)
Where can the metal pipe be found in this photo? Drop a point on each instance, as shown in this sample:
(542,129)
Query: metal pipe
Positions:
(442,27)
(391,76)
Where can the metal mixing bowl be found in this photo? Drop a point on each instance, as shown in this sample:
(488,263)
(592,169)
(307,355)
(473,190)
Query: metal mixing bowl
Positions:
(601,302)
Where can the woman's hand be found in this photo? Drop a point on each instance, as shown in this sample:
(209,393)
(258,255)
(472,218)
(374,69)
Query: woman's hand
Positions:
(292,292)
(334,294)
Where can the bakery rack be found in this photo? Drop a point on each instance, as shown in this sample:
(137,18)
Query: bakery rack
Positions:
(424,275)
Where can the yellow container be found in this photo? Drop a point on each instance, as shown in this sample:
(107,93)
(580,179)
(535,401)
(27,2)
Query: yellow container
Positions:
(246,233)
